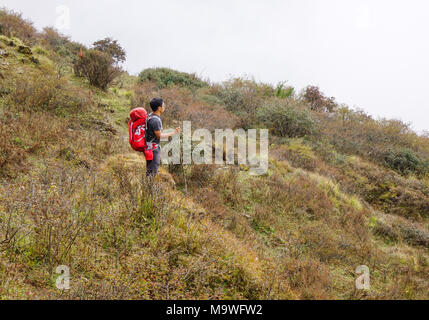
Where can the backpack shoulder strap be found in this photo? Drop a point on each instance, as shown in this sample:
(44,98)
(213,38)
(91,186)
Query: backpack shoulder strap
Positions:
(147,121)
(150,143)
(131,133)
(150,117)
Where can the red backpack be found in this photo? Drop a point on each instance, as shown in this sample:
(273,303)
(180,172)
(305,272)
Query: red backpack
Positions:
(137,129)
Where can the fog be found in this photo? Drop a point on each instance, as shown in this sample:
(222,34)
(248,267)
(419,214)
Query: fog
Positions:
(367,54)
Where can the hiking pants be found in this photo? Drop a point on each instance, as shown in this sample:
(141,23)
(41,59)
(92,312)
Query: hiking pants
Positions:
(153,165)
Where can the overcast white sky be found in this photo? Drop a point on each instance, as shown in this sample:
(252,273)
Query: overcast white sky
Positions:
(371,54)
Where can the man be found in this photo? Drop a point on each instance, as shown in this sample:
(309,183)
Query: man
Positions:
(154,135)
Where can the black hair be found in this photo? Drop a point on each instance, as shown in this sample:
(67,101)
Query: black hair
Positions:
(156,103)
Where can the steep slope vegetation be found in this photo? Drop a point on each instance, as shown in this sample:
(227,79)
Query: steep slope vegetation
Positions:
(343,190)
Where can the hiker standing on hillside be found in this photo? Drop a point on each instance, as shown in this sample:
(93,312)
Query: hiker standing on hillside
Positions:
(154,135)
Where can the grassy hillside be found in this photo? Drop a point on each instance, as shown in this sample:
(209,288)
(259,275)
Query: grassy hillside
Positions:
(343,190)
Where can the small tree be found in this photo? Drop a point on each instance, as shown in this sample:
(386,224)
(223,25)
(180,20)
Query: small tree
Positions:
(98,67)
(112,48)
(318,101)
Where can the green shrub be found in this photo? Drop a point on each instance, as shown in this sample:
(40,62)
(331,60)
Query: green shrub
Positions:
(283,92)
(164,77)
(286,120)
(232,98)
(405,161)
(243,97)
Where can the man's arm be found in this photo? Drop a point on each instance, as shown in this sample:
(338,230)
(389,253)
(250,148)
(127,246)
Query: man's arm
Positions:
(160,135)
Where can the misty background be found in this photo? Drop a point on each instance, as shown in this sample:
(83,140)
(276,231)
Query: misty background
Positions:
(367,54)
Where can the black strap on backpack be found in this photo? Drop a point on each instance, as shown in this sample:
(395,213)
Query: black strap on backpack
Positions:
(150,144)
